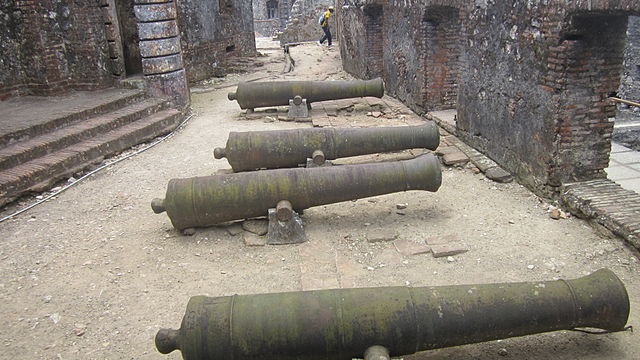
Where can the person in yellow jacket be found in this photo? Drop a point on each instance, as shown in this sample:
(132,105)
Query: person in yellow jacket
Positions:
(324,23)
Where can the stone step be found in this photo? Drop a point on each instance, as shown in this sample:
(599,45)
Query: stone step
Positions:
(75,114)
(43,171)
(24,151)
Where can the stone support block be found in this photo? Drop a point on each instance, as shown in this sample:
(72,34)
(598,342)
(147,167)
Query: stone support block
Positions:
(173,85)
(157,30)
(155,12)
(163,64)
(160,47)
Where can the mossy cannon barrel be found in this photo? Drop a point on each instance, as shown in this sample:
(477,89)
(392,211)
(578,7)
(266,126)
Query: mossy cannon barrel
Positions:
(343,323)
(210,200)
(253,150)
(251,95)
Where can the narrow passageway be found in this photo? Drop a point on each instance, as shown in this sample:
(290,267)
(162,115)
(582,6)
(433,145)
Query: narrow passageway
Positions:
(94,273)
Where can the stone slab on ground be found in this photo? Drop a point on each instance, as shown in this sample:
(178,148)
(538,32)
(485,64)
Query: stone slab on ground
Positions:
(498,174)
(408,247)
(455,158)
(444,150)
(331,110)
(450,249)
(440,240)
(381,235)
(234,229)
(321,122)
(484,163)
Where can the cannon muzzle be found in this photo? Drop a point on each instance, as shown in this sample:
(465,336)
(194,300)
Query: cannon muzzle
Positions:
(252,95)
(254,150)
(344,323)
(210,200)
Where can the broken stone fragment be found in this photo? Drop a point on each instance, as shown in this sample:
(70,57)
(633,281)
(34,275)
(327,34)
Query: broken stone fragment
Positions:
(407,247)
(258,226)
(443,150)
(381,235)
(455,158)
(234,229)
(442,250)
(498,174)
(554,214)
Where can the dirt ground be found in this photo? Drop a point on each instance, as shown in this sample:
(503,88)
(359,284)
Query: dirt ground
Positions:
(94,273)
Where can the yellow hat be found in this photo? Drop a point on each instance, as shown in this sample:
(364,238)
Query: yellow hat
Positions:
(330,7)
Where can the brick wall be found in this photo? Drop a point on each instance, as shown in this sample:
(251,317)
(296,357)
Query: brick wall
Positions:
(362,50)
(588,62)
(630,85)
(211,35)
(440,46)
(50,47)
(532,77)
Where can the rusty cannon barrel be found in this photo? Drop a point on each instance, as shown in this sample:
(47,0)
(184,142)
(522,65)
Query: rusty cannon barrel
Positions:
(344,323)
(254,150)
(210,200)
(251,95)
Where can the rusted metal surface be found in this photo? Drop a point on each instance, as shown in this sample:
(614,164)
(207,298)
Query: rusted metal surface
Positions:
(254,150)
(344,323)
(252,95)
(210,200)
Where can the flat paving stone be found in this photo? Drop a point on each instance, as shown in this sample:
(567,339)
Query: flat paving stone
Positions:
(455,158)
(451,249)
(616,173)
(629,157)
(498,174)
(630,184)
(408,247)
(617,148)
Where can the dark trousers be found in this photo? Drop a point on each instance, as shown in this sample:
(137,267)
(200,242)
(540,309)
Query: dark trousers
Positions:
(327,35)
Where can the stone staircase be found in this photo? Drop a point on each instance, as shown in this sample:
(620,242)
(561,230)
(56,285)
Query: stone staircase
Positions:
(35,157)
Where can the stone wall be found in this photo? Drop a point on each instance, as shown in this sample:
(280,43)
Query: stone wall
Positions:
(529,79)
(630,86)
(265,26)
(303,21)
(49,47)
(212,31)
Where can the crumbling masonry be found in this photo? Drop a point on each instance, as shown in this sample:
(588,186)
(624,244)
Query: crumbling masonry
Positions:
(49,47)
(529,79)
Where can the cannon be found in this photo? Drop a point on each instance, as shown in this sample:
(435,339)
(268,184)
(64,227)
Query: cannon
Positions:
(345,323)
(254,150)
(251,95)
(210,200)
